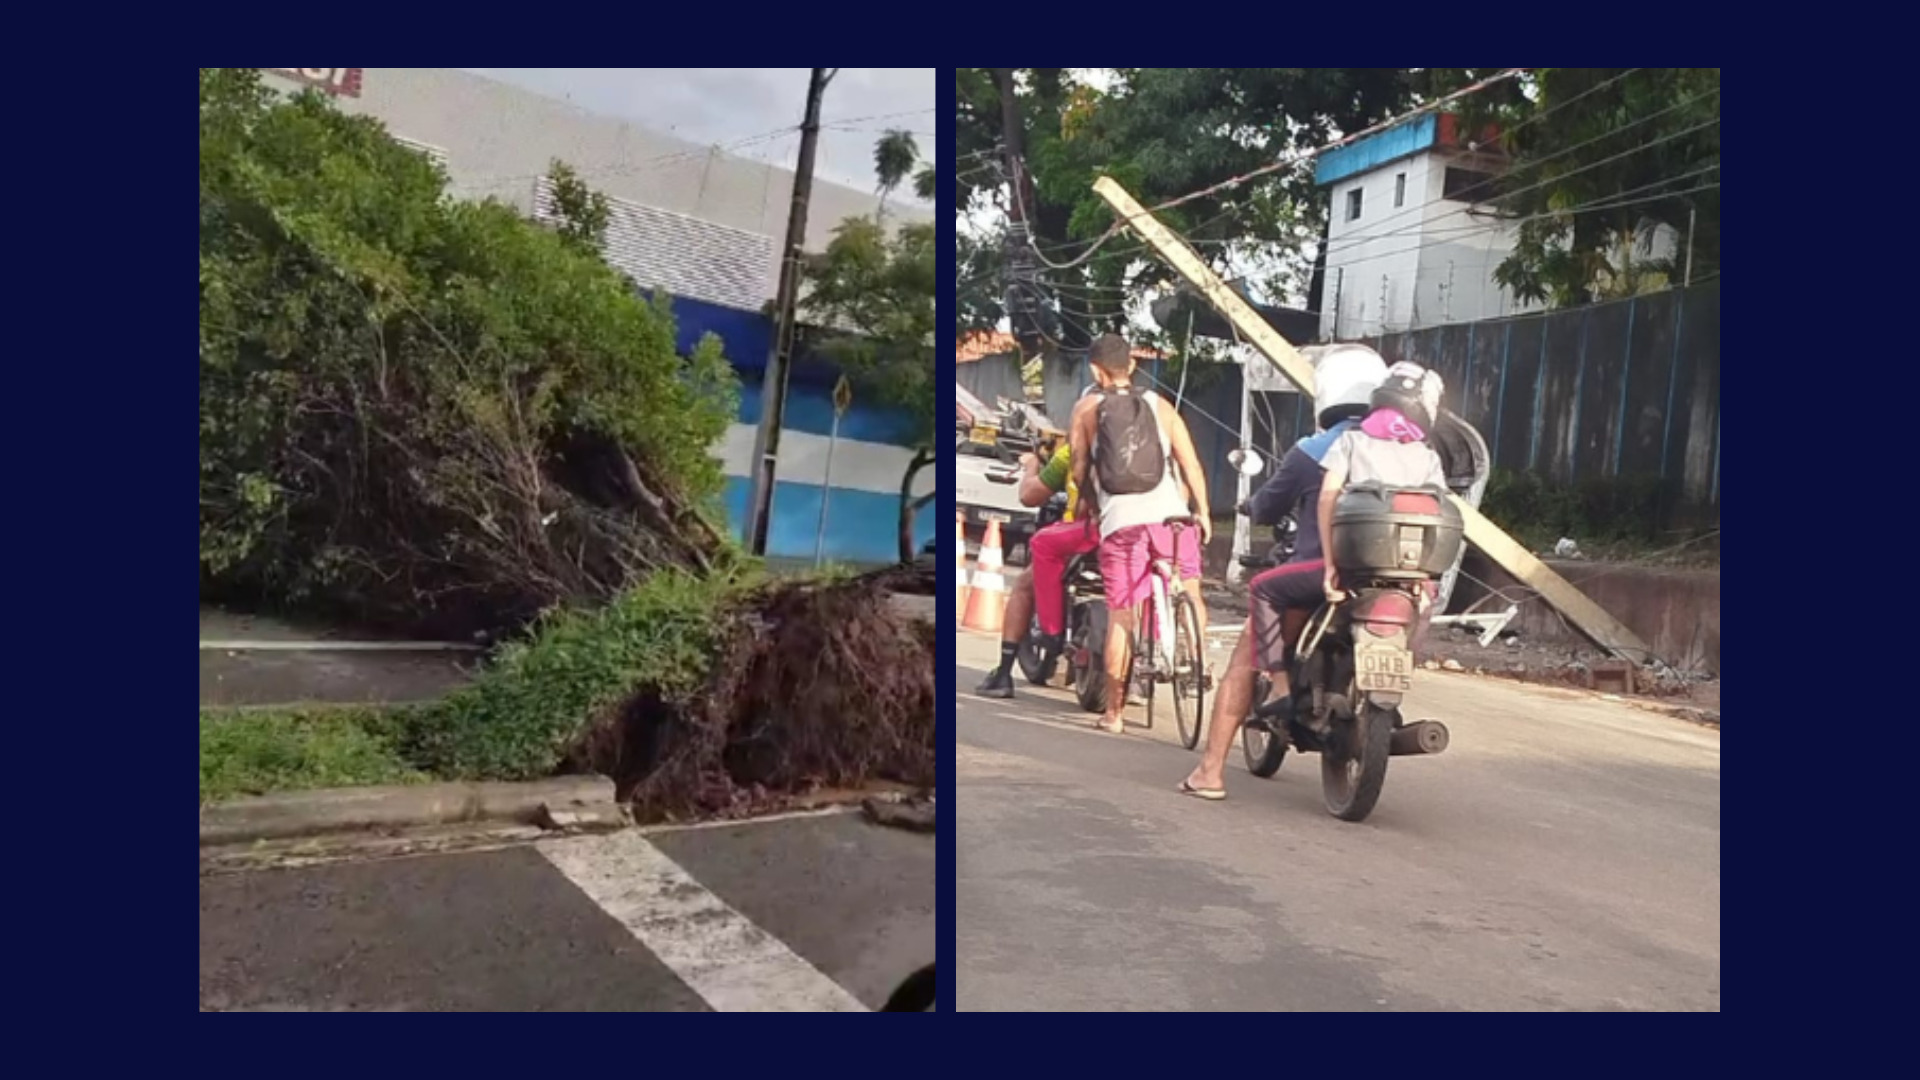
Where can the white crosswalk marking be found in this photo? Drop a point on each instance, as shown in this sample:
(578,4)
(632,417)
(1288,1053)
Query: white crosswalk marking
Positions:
(734,965)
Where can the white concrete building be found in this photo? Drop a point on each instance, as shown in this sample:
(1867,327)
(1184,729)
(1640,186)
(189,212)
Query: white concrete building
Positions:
(1412,242)
(700,223)
(1414,239)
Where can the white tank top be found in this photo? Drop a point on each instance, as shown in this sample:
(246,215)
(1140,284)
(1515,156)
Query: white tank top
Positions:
(1148,507)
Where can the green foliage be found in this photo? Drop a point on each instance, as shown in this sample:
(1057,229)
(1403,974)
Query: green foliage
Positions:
(395,385)
(1601,157)
(875,291)
(894,157)
(521,718)
(582,211)
(255,751)
(1629,510)
(978,271)
(1163,133)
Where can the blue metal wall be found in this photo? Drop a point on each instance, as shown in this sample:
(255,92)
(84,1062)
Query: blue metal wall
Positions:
(868,462)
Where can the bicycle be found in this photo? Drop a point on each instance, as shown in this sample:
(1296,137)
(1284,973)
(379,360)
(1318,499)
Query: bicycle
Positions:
(1179,659)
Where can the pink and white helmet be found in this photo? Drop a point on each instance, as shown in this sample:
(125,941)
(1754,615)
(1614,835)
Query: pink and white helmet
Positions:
(1413,390)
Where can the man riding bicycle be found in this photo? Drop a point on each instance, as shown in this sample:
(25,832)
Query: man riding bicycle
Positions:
(1048,552)
(1345,378)
(1125,446)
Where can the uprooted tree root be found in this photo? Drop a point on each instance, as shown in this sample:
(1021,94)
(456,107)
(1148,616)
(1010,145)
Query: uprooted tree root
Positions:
(815,685)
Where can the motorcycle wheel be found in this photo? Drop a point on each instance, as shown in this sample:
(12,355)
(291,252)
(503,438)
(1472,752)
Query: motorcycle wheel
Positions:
(1039,670)
(1264,749)
(1090,684)
(1353,768)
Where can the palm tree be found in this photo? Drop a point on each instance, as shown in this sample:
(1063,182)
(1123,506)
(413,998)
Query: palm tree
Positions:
(893,159)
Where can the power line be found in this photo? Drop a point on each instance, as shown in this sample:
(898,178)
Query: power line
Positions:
(1383,125)
(1266,170)
(1535,162)
(1607,203)
(877,116)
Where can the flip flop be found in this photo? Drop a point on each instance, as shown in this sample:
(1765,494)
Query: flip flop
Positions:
(1211,794)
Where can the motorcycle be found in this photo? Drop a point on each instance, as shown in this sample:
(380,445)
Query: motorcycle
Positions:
(1084,641)
(1354,662)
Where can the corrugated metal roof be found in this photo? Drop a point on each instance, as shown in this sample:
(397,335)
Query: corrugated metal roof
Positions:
(683,255)
(1376,150)
(432,153)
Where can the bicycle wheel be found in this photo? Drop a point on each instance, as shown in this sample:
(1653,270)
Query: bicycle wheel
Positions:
(1189,670)
(1147,645)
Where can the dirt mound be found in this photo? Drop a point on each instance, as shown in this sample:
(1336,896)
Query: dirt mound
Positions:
(815,685)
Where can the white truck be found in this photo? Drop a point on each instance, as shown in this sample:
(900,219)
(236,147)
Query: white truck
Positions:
(987,441)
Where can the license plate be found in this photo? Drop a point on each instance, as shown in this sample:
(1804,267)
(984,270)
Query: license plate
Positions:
(989,515)
(1383,668)
(984,435)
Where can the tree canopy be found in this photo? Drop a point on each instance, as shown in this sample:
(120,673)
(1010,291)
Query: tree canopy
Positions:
(1602,157)
(1162,133)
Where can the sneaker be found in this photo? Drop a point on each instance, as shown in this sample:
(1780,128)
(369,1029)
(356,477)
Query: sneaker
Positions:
(999,684)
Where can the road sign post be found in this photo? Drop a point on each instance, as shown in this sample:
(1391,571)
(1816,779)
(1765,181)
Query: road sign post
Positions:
(842,398)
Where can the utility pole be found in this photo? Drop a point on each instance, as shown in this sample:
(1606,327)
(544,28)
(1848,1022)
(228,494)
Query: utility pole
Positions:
(773,386)
(1688,282)
(1505,552)
(1023,270)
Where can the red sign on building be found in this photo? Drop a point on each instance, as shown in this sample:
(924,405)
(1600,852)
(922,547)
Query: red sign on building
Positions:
(341,82)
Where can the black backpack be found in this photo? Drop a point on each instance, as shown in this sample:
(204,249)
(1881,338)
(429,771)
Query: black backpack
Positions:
(1127,457)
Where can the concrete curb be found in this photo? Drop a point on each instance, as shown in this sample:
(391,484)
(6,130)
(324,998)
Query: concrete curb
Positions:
(568,801)
(912,607)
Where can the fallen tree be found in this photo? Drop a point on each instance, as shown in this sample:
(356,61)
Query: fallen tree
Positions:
(424,411)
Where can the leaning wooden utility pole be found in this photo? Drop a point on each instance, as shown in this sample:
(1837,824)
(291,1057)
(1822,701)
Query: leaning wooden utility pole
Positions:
(773,385)
(1511,555)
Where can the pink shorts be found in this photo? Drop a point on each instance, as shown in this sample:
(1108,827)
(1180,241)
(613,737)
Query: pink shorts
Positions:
(1127,555)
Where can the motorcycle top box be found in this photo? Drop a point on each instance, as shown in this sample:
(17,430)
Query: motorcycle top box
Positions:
(1395,534)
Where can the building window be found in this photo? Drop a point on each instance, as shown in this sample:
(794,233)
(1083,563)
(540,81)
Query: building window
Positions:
(1353,205)
(1399,190)
(1469,186)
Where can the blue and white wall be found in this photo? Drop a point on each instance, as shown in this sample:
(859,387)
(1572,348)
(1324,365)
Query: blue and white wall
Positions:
(869,460)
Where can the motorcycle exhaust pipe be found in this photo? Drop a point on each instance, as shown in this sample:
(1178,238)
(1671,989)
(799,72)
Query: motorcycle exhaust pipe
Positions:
(1419,737)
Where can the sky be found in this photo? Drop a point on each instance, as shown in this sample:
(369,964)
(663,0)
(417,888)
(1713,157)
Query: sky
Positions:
(722,106)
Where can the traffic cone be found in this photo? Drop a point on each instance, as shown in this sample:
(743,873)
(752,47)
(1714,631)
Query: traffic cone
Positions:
(960,569)
(987,600)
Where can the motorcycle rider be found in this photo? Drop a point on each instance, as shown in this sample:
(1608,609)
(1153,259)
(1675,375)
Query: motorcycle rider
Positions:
(1048,552)
(1345,378)
(1134,438)
(1389,447)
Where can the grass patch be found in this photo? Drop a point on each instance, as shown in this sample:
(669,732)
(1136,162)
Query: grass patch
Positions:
(531,708)
(255,751)
(698,695)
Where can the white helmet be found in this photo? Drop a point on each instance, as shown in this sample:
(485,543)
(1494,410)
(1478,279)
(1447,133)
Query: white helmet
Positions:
(1344,378)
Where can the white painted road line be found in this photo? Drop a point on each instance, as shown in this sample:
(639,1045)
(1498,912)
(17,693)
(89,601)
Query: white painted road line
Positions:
(731,963)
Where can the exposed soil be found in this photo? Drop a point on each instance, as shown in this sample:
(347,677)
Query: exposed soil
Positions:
(820,685)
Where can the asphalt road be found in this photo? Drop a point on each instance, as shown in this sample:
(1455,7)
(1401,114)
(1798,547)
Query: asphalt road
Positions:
(822,913)
(1563,854)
